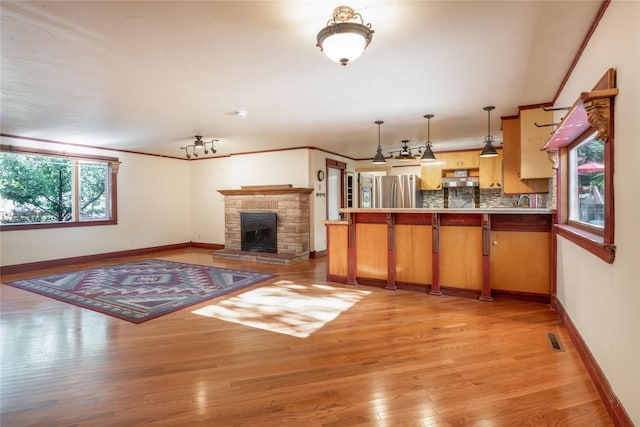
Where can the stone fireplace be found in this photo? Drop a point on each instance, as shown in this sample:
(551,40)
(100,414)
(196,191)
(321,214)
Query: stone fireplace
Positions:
(292,208)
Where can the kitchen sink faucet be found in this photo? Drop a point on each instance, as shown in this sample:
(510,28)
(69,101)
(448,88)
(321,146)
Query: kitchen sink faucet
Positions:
(523,196)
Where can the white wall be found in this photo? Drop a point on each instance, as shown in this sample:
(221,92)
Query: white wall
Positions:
(207,204)
(153,210)
(603,300)
(230,173)
(271,168)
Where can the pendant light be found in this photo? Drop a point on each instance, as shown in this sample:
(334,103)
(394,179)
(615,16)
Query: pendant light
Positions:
(488,150)
(343,42)
(428,155)
(379,158)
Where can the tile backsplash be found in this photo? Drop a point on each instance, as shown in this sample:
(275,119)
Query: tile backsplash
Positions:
(490,198)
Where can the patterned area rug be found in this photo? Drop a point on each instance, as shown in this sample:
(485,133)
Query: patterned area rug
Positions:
(143,290)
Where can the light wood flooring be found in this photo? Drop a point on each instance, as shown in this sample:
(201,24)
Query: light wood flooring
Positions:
(394,358)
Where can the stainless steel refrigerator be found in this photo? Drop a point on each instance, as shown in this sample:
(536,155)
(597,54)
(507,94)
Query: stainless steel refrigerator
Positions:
(401,191)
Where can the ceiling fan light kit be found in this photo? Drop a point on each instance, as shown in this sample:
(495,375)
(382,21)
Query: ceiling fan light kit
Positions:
(405,152)
(343,42)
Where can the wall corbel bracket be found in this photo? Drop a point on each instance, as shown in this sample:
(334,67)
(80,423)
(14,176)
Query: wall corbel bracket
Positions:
(597,104)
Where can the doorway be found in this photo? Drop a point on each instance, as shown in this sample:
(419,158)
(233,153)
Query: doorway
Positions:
(335,188)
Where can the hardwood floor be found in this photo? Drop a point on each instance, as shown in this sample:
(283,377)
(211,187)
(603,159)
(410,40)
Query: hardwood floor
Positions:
(394,358)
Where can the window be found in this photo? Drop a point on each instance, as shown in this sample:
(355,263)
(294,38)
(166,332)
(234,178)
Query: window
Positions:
(586,184)
(45,190)
(585,141)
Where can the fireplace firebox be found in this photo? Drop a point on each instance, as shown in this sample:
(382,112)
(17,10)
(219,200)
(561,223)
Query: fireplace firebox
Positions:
(258,232)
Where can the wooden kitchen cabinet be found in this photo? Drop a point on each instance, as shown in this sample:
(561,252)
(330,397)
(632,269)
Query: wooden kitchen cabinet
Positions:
(371,256)
(512,182)
(431,175)
(534,162)
(473,253)
(413,252)
(520,261)
(337,245)
(461,257)
(491,171)
(461,160)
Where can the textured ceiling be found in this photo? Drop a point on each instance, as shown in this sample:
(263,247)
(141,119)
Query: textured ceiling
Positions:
(147,76)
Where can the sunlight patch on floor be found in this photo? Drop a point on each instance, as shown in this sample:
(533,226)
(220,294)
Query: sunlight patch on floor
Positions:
(285,307)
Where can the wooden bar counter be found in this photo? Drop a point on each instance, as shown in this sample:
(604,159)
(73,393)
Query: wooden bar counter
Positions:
(480,253)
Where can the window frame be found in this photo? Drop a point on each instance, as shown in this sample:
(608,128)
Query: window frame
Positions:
(593,111)
(113,165)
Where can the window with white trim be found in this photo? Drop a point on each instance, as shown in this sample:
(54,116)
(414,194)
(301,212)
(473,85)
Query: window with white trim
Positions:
(586,184)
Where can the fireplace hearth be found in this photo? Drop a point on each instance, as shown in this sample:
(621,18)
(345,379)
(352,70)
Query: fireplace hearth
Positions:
(258,232)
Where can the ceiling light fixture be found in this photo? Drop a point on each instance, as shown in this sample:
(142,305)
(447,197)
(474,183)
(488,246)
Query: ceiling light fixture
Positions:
(199,143)
(488,150)
(428,155)
(405,151)
(379,158)
(342,41)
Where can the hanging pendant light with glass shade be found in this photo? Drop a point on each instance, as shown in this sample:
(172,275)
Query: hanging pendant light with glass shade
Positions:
(343,42)
(428,155)
(379,158)
(488,150)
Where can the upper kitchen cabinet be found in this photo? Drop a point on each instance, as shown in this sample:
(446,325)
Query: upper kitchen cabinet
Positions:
(534,163)
(431,176)
(491,171)
(512,180)
(461,160)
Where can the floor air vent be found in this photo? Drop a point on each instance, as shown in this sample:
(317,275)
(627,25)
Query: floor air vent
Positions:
(554,342)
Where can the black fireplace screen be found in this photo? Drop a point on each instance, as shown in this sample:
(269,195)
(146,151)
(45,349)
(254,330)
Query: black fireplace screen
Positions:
(258,232)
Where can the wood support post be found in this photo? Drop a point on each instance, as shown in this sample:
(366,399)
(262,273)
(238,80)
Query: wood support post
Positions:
(391,253)
(435,256)
(486,259)
(351,251)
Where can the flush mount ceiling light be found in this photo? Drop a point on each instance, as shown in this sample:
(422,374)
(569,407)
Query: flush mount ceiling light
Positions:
(488,150)
(197,144)
(428,155)
(343,41)
(379,158)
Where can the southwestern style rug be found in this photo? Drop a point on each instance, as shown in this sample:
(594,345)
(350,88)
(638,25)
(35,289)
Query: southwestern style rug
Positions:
(142,290)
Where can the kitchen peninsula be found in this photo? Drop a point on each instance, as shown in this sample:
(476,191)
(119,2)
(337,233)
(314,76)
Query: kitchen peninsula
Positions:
(467,252)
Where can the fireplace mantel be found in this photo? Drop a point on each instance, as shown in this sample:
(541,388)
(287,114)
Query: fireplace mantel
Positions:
(257,190)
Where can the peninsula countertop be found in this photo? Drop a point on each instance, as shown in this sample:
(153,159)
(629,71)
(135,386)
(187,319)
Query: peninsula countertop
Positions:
(513,210)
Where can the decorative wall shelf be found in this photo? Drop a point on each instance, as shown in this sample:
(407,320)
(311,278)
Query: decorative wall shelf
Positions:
(592,112)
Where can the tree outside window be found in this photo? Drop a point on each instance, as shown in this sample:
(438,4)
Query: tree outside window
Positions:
(53,190)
